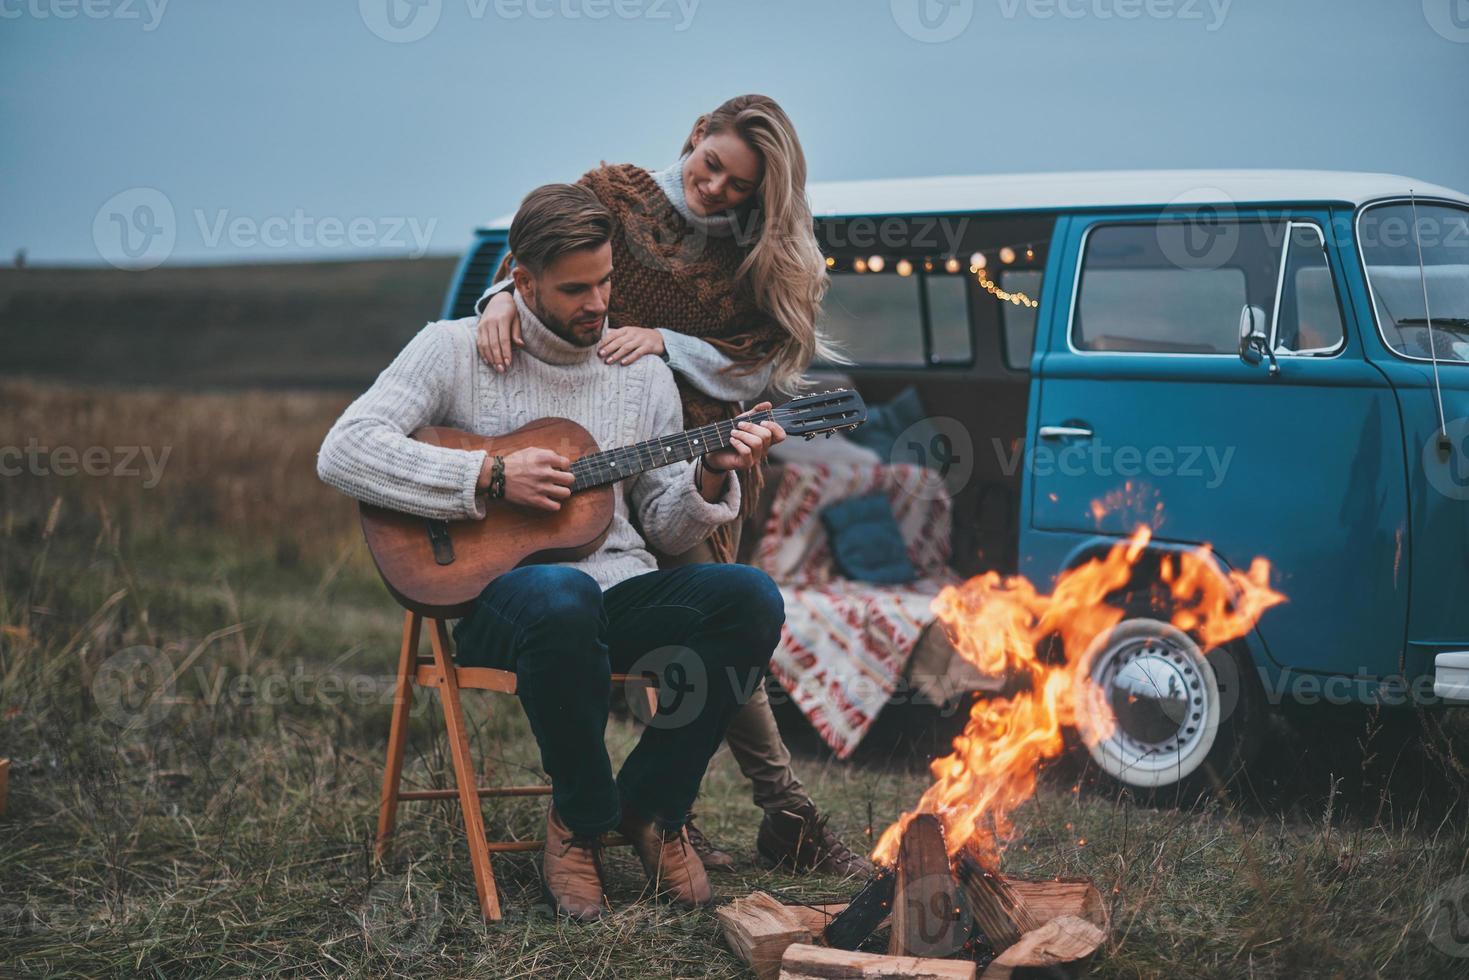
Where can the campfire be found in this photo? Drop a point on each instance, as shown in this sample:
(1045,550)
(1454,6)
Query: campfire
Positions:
(939,891)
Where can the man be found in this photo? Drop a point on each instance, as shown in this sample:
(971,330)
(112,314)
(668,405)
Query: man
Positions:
(564,628)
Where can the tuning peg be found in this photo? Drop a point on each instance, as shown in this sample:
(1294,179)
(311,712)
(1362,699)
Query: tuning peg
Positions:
(828,433)
(810,436)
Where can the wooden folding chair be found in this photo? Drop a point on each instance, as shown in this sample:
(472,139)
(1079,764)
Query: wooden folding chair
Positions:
(438,670)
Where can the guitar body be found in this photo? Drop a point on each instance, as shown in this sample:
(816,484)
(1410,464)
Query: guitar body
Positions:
(437,568)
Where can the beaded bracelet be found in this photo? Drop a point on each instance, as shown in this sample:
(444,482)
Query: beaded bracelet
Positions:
(497,478)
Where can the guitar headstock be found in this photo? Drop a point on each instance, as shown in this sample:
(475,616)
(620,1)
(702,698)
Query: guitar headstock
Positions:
(822,411)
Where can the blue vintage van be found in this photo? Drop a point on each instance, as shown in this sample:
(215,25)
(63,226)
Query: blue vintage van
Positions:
(1242,358)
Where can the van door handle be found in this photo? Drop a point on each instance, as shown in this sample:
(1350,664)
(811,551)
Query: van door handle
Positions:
(1064,432)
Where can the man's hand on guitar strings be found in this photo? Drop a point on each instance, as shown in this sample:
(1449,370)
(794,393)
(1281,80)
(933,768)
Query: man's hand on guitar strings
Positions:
(534,477)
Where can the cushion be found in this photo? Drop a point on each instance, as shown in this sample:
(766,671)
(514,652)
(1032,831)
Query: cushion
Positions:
(866,544)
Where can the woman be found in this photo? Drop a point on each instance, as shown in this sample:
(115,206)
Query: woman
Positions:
(716,269)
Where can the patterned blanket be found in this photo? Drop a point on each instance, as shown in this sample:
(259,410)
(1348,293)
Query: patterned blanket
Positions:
(845,644)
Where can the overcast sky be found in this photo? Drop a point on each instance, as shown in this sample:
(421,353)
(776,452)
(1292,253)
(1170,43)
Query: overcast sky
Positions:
(145,131)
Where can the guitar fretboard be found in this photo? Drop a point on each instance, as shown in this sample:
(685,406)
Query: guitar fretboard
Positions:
(611,465)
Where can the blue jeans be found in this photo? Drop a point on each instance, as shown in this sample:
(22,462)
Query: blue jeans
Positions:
(707,631)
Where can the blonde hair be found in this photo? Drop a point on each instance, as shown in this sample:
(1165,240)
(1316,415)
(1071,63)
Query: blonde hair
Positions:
(786,269)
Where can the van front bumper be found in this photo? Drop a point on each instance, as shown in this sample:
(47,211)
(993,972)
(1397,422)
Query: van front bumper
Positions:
(1451,675)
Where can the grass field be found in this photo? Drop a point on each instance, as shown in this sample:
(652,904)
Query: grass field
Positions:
(227,829)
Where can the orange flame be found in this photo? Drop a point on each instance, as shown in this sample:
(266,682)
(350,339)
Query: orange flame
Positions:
(1002,625)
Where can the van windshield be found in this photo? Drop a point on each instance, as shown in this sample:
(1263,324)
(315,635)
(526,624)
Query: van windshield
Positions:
(1390,252)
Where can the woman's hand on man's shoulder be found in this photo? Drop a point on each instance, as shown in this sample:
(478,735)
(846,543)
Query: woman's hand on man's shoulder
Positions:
(624,345)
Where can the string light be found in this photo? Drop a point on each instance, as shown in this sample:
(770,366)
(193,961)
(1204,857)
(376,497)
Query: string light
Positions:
(978,261)
(1018,298)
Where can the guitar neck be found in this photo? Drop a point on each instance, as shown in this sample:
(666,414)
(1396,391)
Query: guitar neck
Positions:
(611,465)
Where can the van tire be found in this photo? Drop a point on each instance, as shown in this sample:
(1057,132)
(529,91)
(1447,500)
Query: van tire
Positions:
(1193,742)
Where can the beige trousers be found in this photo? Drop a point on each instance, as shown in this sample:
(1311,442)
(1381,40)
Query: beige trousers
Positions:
(753,737)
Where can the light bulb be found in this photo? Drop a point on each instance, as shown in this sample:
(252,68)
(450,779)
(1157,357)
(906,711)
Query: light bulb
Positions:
(1007,255)
(905,268)
(952,265)
(978,261)
(876,263)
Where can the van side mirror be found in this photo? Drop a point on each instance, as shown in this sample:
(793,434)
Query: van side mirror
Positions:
(1254,344)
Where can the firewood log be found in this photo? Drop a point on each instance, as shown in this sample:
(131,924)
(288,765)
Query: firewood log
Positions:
(998,910)
(868,908)
(758,929)
(1062,947)
(927,919)
(803,962)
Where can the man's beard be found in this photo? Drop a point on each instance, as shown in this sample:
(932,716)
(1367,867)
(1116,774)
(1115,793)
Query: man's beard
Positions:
(563,329)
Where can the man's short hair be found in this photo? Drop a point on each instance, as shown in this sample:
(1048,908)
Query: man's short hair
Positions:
(555,219)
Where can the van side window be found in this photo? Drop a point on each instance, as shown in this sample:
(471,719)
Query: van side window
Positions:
(875,307)
(875,317)
(1173,287)
(1017,321)
(1307,316)
(948,318)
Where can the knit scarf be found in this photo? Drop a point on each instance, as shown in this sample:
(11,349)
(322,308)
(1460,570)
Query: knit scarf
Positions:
(671,273)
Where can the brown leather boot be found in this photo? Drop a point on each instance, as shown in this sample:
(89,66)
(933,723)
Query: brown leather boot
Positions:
(710,856)
(668,860)
(571,870)
(800,840)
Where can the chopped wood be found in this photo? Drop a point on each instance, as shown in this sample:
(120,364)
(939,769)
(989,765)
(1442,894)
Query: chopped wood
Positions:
(868,908)
(1062,947)
(1051,899)
(998,909)
(818,916)
(758,929)
(802,962)
(927,919)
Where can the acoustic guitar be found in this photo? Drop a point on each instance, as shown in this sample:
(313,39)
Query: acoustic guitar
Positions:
(437,568)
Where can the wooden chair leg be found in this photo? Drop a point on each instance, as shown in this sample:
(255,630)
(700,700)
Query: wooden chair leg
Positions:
(465,776)
(387,815)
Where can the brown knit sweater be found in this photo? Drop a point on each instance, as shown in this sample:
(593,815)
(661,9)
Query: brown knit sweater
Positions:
(667,274)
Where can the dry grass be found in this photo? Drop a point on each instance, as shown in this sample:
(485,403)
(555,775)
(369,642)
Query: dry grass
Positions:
(231,833)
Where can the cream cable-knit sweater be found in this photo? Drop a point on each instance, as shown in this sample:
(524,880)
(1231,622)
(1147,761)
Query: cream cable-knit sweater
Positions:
(439,379)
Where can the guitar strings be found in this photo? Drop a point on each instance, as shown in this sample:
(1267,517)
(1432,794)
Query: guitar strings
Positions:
(607,465)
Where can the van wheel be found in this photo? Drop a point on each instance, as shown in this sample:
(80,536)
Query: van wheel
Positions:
(1161,716)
